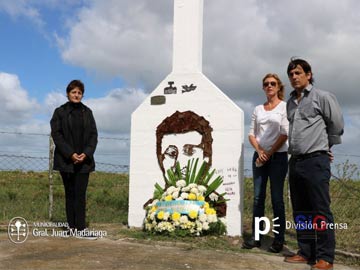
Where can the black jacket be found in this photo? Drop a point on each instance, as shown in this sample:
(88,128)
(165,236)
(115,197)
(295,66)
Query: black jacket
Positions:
(61,126)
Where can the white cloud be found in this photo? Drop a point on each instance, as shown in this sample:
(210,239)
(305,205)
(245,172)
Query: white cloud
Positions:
(112,112)
(243,40)
(112,115)
(16,106)
(54,100)
(118,38)
(22,8)
(258,37)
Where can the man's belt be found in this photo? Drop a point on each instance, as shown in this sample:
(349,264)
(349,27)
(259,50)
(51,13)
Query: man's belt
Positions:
(309,155)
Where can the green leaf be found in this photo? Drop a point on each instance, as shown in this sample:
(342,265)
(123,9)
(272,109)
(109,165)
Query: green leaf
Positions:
(202,172)
(208,177)
(159,188)
(214,185)
(178,171)
(193,171)
(171,178)
(159,191)
(187,173)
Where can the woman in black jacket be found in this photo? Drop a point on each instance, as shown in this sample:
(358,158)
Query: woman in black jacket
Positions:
(74,132)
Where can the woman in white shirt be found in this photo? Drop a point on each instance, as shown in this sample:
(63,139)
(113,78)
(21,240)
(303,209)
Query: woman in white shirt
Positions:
(268,135)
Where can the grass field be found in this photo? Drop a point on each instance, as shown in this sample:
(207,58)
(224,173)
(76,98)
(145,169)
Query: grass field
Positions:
(26,194)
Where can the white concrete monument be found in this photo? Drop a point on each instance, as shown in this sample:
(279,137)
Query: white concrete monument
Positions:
(186,94)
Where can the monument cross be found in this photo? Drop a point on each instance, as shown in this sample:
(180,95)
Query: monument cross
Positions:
(188,33)
(188,109)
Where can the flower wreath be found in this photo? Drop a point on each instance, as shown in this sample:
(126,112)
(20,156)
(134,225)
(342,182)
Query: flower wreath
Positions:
(189,204)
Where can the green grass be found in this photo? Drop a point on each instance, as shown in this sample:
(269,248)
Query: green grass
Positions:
(26,194)
(345,205)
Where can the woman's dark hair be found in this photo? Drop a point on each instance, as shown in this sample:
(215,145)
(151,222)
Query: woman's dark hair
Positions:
(294,62)
(75,83)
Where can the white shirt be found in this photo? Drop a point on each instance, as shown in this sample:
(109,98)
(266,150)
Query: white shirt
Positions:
(267,126)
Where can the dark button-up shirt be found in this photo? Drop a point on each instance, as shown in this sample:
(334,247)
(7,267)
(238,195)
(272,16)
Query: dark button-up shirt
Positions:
(316,121)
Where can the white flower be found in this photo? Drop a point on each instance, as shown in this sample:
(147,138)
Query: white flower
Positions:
(212,218)
(166,215)
(175,194)
(203,217)
(170,190)
(164,226)
(202,189)
(213,197)
(184,219)
(180,191)
(205,226)
(148,226)
(181,183)
(194,190)
(152,215)
(199,226)
(185,189)
(192,185)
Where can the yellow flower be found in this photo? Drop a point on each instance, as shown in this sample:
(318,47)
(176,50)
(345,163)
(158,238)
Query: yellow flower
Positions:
(192,197)
(175,216)
(200,198)
(168,198)
(160,215)
(193,214)
(153,209)
(206,205)
(210,211)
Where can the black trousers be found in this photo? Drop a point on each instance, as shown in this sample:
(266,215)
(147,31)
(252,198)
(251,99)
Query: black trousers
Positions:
(75,185)
(309,186)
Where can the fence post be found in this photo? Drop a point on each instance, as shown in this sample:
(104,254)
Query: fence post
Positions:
(51,179)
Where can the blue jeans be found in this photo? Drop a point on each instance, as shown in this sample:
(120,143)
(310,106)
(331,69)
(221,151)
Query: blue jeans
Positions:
(309,186)
(275,170)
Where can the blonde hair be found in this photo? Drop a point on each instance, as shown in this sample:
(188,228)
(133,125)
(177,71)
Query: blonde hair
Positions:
(281,92)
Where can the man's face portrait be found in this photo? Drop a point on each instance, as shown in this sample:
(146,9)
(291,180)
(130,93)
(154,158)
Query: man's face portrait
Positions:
(180,148)
(183,136)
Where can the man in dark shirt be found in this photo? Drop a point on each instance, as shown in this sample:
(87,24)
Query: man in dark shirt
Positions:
(316,124)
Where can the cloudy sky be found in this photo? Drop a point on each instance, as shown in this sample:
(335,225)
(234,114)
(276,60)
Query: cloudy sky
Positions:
(123,49)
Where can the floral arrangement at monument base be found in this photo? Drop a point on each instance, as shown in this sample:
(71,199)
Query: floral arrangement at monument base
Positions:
(189,204)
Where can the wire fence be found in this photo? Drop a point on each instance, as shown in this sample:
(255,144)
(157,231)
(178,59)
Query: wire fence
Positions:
(40,164)
(32,152)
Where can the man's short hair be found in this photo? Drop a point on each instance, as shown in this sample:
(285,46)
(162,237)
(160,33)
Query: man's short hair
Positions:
(294,62)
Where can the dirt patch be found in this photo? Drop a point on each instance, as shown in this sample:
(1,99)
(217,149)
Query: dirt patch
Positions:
(123,253)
